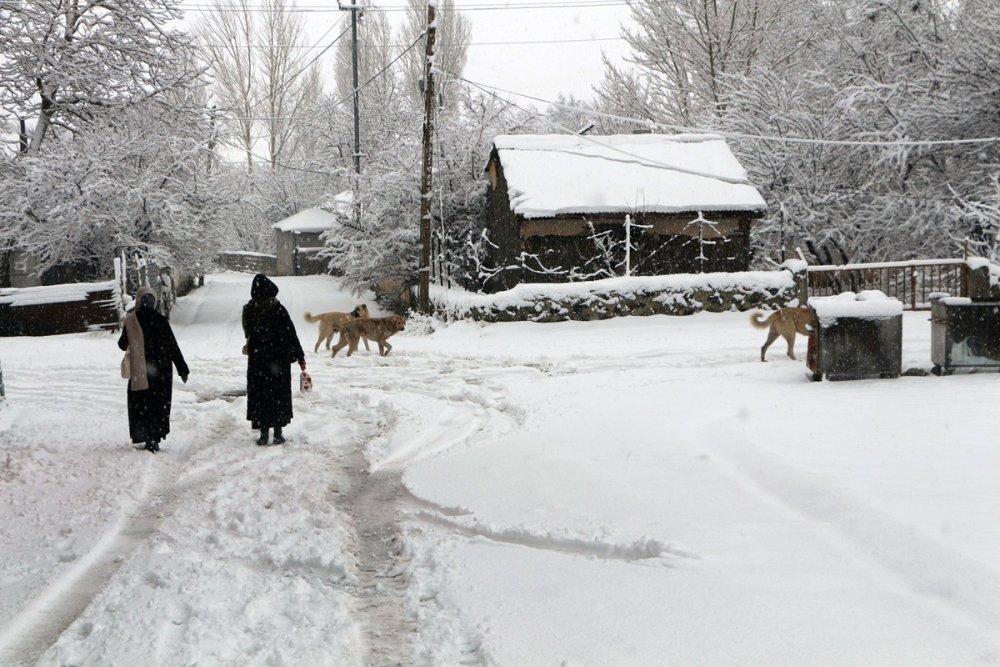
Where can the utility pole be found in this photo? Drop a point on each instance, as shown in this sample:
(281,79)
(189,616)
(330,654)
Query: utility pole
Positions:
(354,9)
(423,290)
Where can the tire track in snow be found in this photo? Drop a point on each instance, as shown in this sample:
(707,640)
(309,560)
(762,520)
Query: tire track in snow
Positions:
(643,551)
(944,582)
(29,634)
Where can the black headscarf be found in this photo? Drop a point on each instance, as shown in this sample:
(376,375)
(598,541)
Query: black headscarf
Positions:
(263,288)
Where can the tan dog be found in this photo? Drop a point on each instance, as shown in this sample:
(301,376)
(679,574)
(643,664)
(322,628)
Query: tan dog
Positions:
(332,322)
(785,322)
(377,329)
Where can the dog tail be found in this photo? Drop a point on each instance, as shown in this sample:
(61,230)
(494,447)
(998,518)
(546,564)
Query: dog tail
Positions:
(312,318)
(759,323)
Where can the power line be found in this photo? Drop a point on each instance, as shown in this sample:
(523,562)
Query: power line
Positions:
(380,72)
(309,64)
(728,135)
(318,9)
(392,46)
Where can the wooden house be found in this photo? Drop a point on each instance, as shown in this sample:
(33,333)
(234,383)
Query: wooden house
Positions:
(564,208)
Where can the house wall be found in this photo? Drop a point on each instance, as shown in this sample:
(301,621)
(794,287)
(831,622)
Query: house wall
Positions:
(293,263)
(502,229)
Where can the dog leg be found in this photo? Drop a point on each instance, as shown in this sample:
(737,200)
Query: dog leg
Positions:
(791,345)
(339,346)
(367,349)
(387,349)
(772,336)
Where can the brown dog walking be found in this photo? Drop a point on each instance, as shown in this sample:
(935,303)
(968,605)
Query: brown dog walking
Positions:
(332,322)
(377,329)
(785,322)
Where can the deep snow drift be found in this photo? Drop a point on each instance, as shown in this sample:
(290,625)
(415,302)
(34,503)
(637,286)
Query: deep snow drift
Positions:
(640,491)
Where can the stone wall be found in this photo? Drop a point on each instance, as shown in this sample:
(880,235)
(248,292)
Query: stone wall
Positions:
(248,262)
(659,295)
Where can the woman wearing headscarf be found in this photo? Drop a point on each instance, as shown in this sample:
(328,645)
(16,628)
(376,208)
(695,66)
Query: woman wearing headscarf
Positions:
(152,352)
(272,346)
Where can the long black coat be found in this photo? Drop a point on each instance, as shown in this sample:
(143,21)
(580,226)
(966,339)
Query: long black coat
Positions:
(149,409)
(272,346)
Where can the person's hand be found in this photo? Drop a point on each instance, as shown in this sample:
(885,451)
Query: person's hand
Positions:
(302,364)
(184,378)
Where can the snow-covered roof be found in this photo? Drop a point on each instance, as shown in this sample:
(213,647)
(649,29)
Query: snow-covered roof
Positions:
(311,220)
(549,175)
(341,205)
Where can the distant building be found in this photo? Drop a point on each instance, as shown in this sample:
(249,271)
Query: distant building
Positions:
(298,237)
(557,207)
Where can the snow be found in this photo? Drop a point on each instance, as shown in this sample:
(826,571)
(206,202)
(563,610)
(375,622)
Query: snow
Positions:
(32,296)
(868,304)
(311,220)
(550,175)
(636,491)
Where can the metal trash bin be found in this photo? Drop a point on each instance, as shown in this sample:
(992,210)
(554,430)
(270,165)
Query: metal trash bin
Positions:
(856,336)
(964,334)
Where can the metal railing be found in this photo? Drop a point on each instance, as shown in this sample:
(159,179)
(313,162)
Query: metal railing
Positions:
(912,282)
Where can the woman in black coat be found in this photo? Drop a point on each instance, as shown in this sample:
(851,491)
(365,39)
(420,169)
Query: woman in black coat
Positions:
(152,352)
(272,346)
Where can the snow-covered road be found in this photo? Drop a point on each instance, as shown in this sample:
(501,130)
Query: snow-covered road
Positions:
(640,491)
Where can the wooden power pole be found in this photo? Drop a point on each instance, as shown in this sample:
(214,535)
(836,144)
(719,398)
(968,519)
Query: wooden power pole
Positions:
(423,289)
(354,8)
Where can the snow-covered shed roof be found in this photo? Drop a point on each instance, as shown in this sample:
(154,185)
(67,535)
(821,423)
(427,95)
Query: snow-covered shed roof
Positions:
(552,174)
(311,220)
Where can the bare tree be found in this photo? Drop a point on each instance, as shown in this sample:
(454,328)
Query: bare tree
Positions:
(263,79)
(683,49)
(227,37)
(454,32)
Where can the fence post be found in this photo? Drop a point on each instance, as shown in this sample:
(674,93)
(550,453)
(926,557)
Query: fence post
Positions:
(913,287)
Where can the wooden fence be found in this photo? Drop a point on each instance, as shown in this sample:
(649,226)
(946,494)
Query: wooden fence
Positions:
(912,282)
(59,309)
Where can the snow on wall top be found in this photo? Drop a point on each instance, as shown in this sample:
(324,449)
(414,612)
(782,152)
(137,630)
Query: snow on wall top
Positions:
(524,294)
(552,174)
(49,294)
(311,220)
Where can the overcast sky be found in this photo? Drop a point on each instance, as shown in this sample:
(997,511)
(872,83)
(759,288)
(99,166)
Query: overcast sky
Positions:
(538,47)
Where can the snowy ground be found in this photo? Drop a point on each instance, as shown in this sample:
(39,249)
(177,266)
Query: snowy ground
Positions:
(641,491)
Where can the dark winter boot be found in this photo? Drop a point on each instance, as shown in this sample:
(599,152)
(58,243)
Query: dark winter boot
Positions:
(262,440)
(279,439)
(152,446)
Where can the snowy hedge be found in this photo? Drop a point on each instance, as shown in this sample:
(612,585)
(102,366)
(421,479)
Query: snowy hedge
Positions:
(679,294)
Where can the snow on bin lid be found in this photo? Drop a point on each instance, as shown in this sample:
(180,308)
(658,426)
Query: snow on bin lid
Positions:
(869,305)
